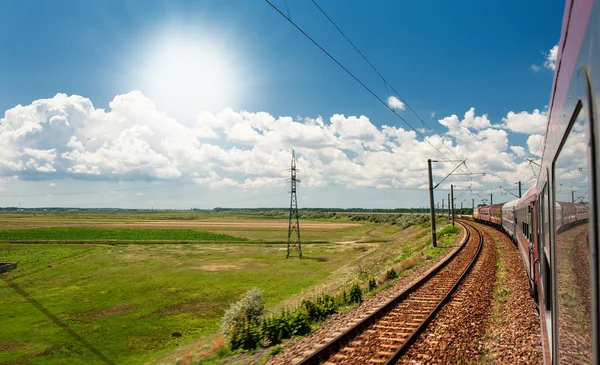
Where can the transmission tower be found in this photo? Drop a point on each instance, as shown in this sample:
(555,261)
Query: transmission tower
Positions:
(294,223)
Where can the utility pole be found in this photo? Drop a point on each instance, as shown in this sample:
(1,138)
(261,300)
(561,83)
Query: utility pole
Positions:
(449,206)
(491,199)
(437,208)
(461,206)
(452,201)
(442,211)
(519,189)
(572,196)
(433,233)
(473,204)
(294,222)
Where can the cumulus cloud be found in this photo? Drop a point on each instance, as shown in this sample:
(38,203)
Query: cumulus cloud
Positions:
(534,144)
(519,151)
(551,58)
(395,103)
(535,68)
(67,137)
(525,122)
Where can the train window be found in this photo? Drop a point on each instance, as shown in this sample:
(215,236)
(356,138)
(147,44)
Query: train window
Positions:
(572,250)
(545,254)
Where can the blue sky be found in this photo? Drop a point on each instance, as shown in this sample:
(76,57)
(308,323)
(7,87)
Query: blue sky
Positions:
(188,57)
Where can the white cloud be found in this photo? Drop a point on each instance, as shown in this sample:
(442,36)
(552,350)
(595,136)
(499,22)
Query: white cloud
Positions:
(395,103)
(534,144)
(525,122)
(534,68)
(67,137)
(519,151)
(551,58)
(139,194)
(432,114)
(52,184)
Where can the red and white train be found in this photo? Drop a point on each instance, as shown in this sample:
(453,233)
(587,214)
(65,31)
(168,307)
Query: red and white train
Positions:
(555,224)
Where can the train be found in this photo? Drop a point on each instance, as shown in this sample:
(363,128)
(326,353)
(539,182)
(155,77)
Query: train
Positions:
(555,223)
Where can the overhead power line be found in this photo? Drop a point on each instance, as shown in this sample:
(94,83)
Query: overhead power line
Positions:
(385,81)
(355,78)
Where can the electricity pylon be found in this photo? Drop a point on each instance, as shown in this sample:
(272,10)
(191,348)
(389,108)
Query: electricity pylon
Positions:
(294,222)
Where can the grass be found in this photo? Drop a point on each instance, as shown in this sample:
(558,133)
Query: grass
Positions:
(501,294)
(74,304)
(127,300)
(108,234)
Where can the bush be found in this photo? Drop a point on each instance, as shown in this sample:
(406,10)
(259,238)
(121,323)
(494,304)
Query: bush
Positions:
(247,337)
(322,308)
(355,294)
(241,321)
(272,329)
(372,284)
(391,274)
(285,325)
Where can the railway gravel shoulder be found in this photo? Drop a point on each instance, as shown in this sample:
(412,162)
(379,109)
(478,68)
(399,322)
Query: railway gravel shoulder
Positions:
(297,348)
(514,334)
(456,334)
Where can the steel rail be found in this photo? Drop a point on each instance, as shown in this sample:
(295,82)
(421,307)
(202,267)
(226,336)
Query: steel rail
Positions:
(415,335)
(322,353)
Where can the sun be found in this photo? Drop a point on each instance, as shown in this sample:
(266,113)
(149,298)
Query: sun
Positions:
(188,71)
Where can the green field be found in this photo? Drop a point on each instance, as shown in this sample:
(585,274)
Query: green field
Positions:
(126,303)
(112,234)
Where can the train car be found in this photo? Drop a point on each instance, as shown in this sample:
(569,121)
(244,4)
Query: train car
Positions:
(582,212)
(496,214)
(508,218)
(568,253)
(476,213)
(525,237)
(484,213)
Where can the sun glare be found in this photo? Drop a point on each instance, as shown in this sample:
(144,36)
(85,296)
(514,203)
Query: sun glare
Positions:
(184,73)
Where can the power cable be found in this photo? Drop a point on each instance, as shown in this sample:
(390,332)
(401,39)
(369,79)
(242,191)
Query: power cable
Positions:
(354,77)
(386,83)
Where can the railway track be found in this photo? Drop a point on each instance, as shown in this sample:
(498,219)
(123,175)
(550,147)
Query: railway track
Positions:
(386,334)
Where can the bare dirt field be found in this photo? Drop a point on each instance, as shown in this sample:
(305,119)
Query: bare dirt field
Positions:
(223,224)
(253,224)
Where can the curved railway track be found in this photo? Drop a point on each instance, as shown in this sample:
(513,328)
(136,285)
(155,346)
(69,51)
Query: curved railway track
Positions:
(386,334)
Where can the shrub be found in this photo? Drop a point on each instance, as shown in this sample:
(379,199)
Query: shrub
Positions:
(241,321)
(322,308)
(355,294)
(372,284)
(298,323)
(272,329)
(247,337)
(285,325)
(391,274)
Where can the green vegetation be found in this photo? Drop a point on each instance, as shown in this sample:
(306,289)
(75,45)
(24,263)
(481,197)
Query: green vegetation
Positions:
(136,303)
(391,274)
(111,234)
(130,301)
(241,321)
(355,294)
(372,284)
